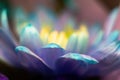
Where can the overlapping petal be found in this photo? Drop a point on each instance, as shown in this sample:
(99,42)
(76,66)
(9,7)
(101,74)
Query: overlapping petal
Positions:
(31,61)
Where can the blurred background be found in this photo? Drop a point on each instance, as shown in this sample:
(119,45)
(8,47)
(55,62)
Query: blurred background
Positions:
(83,10)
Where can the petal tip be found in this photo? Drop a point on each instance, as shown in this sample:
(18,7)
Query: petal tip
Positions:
(21,48)
(52,45)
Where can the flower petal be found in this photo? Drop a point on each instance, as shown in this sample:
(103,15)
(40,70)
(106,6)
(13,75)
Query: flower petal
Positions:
(4,19)
(110,23)
(29,37)
(21,19)
(108,57)
(112,37)
(51,53)
(74,63)
(67,66)
(105,50)
(72,42)
(31,61)
(6,39)
(7,46)
(5,25)
(82,57)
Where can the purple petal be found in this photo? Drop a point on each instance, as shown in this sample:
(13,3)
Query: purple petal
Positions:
(7,55)
(68,66)
(7,46)
(3,77)
(105,50)
(31,61)
(51,53)
(74,63)
(6,39)
(108,56)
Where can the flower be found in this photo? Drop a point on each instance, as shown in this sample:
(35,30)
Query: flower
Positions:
(56,47)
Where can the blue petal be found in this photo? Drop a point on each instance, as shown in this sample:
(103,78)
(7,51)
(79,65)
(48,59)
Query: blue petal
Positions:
(52,45)
(30,38)
(113,37)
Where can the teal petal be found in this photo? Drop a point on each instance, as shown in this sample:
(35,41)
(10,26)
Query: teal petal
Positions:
(113,36)
(52,45)
(77,56)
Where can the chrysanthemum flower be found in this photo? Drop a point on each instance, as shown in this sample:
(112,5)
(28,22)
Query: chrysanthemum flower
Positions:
(56,46)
